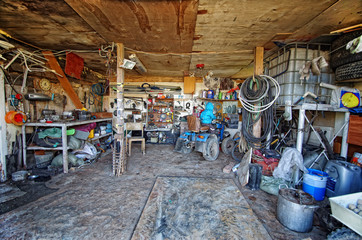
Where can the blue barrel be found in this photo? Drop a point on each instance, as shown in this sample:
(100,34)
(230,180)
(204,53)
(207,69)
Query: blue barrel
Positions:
(210,94)
(314,183)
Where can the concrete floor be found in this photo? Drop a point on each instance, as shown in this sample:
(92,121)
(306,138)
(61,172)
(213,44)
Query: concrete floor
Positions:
(93,204)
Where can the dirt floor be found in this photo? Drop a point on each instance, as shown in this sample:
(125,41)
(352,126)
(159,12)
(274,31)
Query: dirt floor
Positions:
(90,203)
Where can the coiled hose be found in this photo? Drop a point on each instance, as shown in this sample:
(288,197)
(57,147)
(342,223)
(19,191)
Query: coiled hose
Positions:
(256,98)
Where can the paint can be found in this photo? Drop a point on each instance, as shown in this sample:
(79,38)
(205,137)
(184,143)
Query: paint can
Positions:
(210,94)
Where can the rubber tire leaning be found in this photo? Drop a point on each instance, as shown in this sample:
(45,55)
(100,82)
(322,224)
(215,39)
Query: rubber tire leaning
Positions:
(349,71)
(227,145)
(340,56)
(212,149)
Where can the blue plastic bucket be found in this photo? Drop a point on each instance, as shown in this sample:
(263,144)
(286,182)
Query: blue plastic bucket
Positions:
(314,183)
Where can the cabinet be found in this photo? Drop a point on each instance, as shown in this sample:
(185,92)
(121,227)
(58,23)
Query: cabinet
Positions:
(64,126)
(189,85)
(160,113)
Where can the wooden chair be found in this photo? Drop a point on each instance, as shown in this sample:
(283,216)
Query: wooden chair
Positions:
(135,127)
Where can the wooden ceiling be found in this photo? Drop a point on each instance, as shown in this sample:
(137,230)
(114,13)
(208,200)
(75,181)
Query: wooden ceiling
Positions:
(171,37)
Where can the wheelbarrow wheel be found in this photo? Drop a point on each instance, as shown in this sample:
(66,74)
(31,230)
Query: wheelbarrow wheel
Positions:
(227,145)
(212,149)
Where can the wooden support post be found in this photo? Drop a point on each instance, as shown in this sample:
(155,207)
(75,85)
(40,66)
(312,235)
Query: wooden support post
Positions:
(119,152)
(64,82)
(258,70)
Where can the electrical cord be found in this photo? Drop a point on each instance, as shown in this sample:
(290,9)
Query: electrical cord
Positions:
(256,98)
(250,98)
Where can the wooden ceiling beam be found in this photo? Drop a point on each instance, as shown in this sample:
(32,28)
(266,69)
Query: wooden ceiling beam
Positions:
(64,82)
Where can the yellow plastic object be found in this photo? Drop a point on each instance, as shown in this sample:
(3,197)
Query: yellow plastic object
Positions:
(349,100)
(84,109)
(91,134)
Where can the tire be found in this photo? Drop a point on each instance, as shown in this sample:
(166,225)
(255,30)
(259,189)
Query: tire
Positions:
(212,149)
(349,71)
(227,145)
(343,234)
(340,56)
(236,154)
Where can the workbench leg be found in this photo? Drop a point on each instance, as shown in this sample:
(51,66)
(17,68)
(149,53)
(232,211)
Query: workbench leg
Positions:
(299,143)
(65,149)
(344,145)
(24,145)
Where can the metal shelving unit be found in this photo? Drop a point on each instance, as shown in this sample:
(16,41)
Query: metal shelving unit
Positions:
(64,126)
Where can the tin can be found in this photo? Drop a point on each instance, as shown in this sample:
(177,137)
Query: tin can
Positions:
(210,94)
(204,94)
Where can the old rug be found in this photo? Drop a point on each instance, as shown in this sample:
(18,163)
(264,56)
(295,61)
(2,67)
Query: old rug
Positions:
(197,208)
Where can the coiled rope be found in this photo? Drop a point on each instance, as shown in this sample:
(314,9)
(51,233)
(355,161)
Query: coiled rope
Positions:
(256,98)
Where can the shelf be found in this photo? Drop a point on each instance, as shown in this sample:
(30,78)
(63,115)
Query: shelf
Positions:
(152,106)
(102,136)
(158,113)
(162,99)
(159,122)
(44,148)
(218,100)
(158,130)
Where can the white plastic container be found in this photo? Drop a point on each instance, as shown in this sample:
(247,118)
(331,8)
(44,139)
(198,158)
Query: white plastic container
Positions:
(341,212)
(284,66)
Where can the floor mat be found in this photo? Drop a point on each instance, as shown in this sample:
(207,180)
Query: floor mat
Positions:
(197,208)
(29,193)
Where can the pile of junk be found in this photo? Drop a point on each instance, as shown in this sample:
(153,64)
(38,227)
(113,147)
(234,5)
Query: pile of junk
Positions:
(82,150)
(270,159)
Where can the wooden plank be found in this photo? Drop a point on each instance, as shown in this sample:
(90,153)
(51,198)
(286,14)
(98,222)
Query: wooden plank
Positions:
(347,29)
(245,72)
(119,153)
(102,114)
(160,26)
(64,82)
(355,130)
(258,60)
(277,37)
(230,25)
(258,70)
(223,64)
(47,24)
(340,14)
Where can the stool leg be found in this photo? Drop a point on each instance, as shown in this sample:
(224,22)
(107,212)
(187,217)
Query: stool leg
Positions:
(143,146)
(129,148)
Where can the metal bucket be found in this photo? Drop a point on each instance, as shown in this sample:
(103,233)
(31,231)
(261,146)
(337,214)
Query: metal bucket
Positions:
(295,209)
